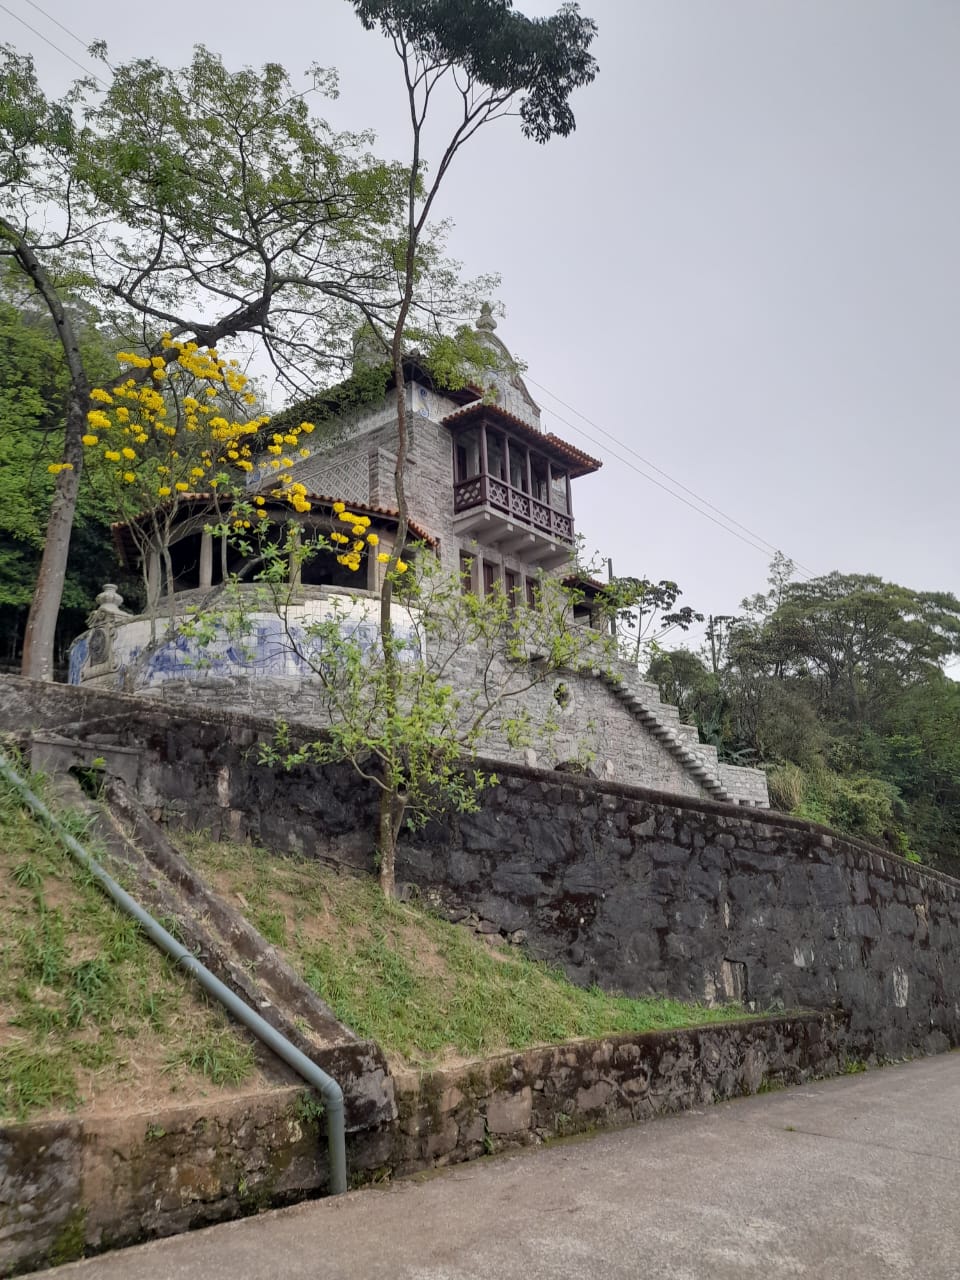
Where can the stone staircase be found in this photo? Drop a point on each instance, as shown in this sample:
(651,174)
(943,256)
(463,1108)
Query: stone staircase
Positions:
(662,722)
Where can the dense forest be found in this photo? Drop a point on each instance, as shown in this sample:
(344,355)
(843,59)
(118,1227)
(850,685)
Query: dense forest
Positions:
(838,687)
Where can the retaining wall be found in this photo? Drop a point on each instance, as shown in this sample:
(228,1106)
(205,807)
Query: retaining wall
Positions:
(628,888)
(83,1185)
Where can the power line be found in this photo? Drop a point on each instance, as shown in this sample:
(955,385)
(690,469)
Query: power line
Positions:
(753,538)
(764,549)
(660,471)
(39,34)
(50,18)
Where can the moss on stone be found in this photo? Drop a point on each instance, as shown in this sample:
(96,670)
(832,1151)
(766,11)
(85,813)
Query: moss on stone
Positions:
(70,1240)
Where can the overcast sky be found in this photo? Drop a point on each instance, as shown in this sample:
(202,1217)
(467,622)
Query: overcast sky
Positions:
(743,266)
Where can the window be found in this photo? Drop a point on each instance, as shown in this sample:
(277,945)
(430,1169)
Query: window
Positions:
(518,467)
(490,577)
(532,592)
(558,493)
(512,584)
(538,468)
(496,455)
(468,455)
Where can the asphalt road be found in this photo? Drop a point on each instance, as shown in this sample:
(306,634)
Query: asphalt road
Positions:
(849,1178)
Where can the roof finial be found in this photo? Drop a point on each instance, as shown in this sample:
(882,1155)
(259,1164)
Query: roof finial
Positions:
(486,321)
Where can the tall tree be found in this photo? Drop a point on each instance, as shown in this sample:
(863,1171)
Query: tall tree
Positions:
(206,204)
(34,388)
(498,63)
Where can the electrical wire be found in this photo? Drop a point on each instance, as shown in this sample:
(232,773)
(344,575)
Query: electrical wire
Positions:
(770,548)
(765,548)
(55,47)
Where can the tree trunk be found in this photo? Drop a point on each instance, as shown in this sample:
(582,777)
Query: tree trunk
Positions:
(387,845)
(38,640)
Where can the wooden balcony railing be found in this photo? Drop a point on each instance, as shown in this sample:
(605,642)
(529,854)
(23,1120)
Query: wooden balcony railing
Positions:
(486,490)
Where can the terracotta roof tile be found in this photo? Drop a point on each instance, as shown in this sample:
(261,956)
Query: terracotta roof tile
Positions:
(126,548)
(579,463)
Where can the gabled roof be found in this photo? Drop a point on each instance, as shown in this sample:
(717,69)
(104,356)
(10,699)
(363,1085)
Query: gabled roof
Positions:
(571,458)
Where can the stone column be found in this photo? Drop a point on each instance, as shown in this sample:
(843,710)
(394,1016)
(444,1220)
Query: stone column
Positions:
(153,579)
(295,575)
(206,561)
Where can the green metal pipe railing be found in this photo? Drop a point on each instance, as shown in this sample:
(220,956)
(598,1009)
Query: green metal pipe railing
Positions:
(318,1079)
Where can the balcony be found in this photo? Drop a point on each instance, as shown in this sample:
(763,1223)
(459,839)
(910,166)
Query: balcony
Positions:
(496,514)
(511,485)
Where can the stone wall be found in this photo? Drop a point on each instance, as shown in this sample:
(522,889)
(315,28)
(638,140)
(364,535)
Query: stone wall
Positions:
(625,887)
(643,893)
(262,670)
(87,1184)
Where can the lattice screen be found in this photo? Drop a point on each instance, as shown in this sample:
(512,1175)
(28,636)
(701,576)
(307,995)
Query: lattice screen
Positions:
(346,478)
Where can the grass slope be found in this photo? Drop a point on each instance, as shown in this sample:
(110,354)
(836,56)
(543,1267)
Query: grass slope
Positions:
(423,988)
(90,1011)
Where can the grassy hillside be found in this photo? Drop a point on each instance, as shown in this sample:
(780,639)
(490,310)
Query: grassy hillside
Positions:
(91,1013)
(93,1016)
(423,988)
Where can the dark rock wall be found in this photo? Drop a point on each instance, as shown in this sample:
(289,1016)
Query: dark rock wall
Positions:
(631,889)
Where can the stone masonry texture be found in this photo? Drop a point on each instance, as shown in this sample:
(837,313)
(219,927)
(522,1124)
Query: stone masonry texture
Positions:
(629,888)
(88,1184)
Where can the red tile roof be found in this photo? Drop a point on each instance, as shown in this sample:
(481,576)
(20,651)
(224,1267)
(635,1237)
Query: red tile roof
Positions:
(575,460)
(126,548)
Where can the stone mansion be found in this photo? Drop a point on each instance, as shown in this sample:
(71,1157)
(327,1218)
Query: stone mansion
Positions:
(491,494)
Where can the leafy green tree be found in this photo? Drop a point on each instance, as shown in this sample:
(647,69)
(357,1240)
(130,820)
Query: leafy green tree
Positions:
(34,389)
(646,614)
(838,684)
(464,665)
(205,204)
(859,639)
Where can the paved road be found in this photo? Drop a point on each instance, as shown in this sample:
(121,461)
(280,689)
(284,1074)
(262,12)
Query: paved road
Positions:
(849,1178)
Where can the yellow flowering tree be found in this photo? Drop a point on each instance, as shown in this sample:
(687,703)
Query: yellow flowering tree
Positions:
(179,427)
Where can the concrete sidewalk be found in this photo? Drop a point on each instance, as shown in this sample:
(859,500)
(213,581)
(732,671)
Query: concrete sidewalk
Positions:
(852,1178)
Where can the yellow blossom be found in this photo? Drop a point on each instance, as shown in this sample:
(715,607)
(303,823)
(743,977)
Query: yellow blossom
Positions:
(383,557)
(89,440)
(129,454)
(307,427)
(111,455)
(339,507)
(97,418)
(104,397)
(129,476)
(372,539)
(181,487)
